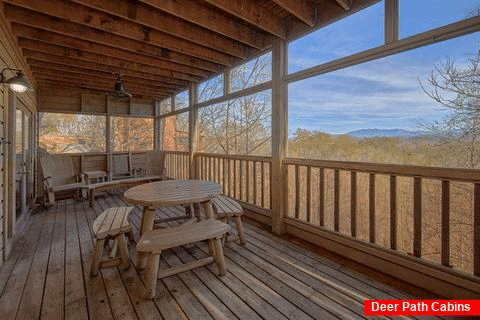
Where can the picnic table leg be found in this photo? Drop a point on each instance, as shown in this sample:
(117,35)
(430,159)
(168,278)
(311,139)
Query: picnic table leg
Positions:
(148,219)
(207,205)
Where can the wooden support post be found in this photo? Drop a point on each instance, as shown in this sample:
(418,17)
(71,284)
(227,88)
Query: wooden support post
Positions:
(391,21)
(193,130)
(279,134)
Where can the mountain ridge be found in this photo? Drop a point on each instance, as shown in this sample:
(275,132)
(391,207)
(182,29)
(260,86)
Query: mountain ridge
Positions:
(371,133)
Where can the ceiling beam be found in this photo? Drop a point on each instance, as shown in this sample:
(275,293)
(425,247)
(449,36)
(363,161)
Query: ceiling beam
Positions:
(213,20)
(329,12)
(163,22)
(80,14)
(48,52)
(53,67)
(80,66)
(251,12)
(95,78)
(65,81)
(105,87)
(81,46)
(301,9)
(346,4)
(77,31)
(49,90)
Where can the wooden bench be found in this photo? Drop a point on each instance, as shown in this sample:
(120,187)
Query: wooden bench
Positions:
(109,185)
(154,241)
(112,223)
(225,207)
(59,177)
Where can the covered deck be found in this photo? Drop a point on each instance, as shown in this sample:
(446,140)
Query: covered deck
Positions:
(190,79)
(271,277)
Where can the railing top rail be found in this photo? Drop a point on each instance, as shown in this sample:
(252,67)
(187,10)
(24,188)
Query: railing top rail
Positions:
(236,157)
(454,174)
(184,153)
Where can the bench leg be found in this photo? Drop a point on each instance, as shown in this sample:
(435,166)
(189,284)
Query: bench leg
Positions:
(91,197)
(218,256)
(211,248)
(241,233)
(130,236)
(97,257)
(122,247)
(151,274)
(51,198)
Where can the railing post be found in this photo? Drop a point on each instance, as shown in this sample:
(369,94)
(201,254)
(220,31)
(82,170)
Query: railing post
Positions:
(279,134)
(193,130)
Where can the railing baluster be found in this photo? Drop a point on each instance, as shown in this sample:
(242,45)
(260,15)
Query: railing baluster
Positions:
(224,178)
(230,178)
(353,203)
(371,203)
(476,229)
(255,183)
(270,165)
(210,168)
(297,191)
(235,178)
(445,223)
(393,212)
(417,217)
(247,180)
(241,179)
(336,201)
(262,177)
(321,197)
(309,194)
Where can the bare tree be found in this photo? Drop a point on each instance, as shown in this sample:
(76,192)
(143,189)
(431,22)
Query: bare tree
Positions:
(241,125)
(457,89)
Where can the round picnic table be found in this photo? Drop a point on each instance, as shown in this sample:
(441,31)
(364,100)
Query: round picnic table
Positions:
(166,193)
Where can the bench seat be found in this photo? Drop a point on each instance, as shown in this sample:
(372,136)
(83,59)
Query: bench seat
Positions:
(153,242)
(111,224)
(225,207)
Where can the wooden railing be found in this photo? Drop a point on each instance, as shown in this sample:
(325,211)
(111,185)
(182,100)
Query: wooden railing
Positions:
(430,213)
(177,165)
(244,178)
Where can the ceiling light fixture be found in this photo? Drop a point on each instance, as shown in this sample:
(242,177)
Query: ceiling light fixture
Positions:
(18,83)
(118,90)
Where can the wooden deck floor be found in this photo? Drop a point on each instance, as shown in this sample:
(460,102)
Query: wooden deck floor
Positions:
(47,277)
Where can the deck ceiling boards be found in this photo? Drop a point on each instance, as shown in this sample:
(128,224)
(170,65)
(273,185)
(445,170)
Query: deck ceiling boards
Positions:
(159,46)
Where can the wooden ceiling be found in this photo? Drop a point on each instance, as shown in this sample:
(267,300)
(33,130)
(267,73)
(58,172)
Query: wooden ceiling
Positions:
(160,46)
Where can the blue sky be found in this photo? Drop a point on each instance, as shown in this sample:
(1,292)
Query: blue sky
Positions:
(384,93)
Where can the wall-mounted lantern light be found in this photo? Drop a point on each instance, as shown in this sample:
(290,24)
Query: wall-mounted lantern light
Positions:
(18,83)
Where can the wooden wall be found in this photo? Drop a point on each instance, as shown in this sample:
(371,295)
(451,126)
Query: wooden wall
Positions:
(70,100)
(11,57)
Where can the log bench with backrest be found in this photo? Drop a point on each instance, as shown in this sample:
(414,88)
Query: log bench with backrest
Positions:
(109,185)
(225,207)
(111,224)
(59,177)
(153,242)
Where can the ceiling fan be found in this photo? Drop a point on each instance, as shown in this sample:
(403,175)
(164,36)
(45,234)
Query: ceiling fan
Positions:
(118,90)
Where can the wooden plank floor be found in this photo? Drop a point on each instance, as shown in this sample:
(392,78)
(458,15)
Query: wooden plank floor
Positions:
(47,276)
